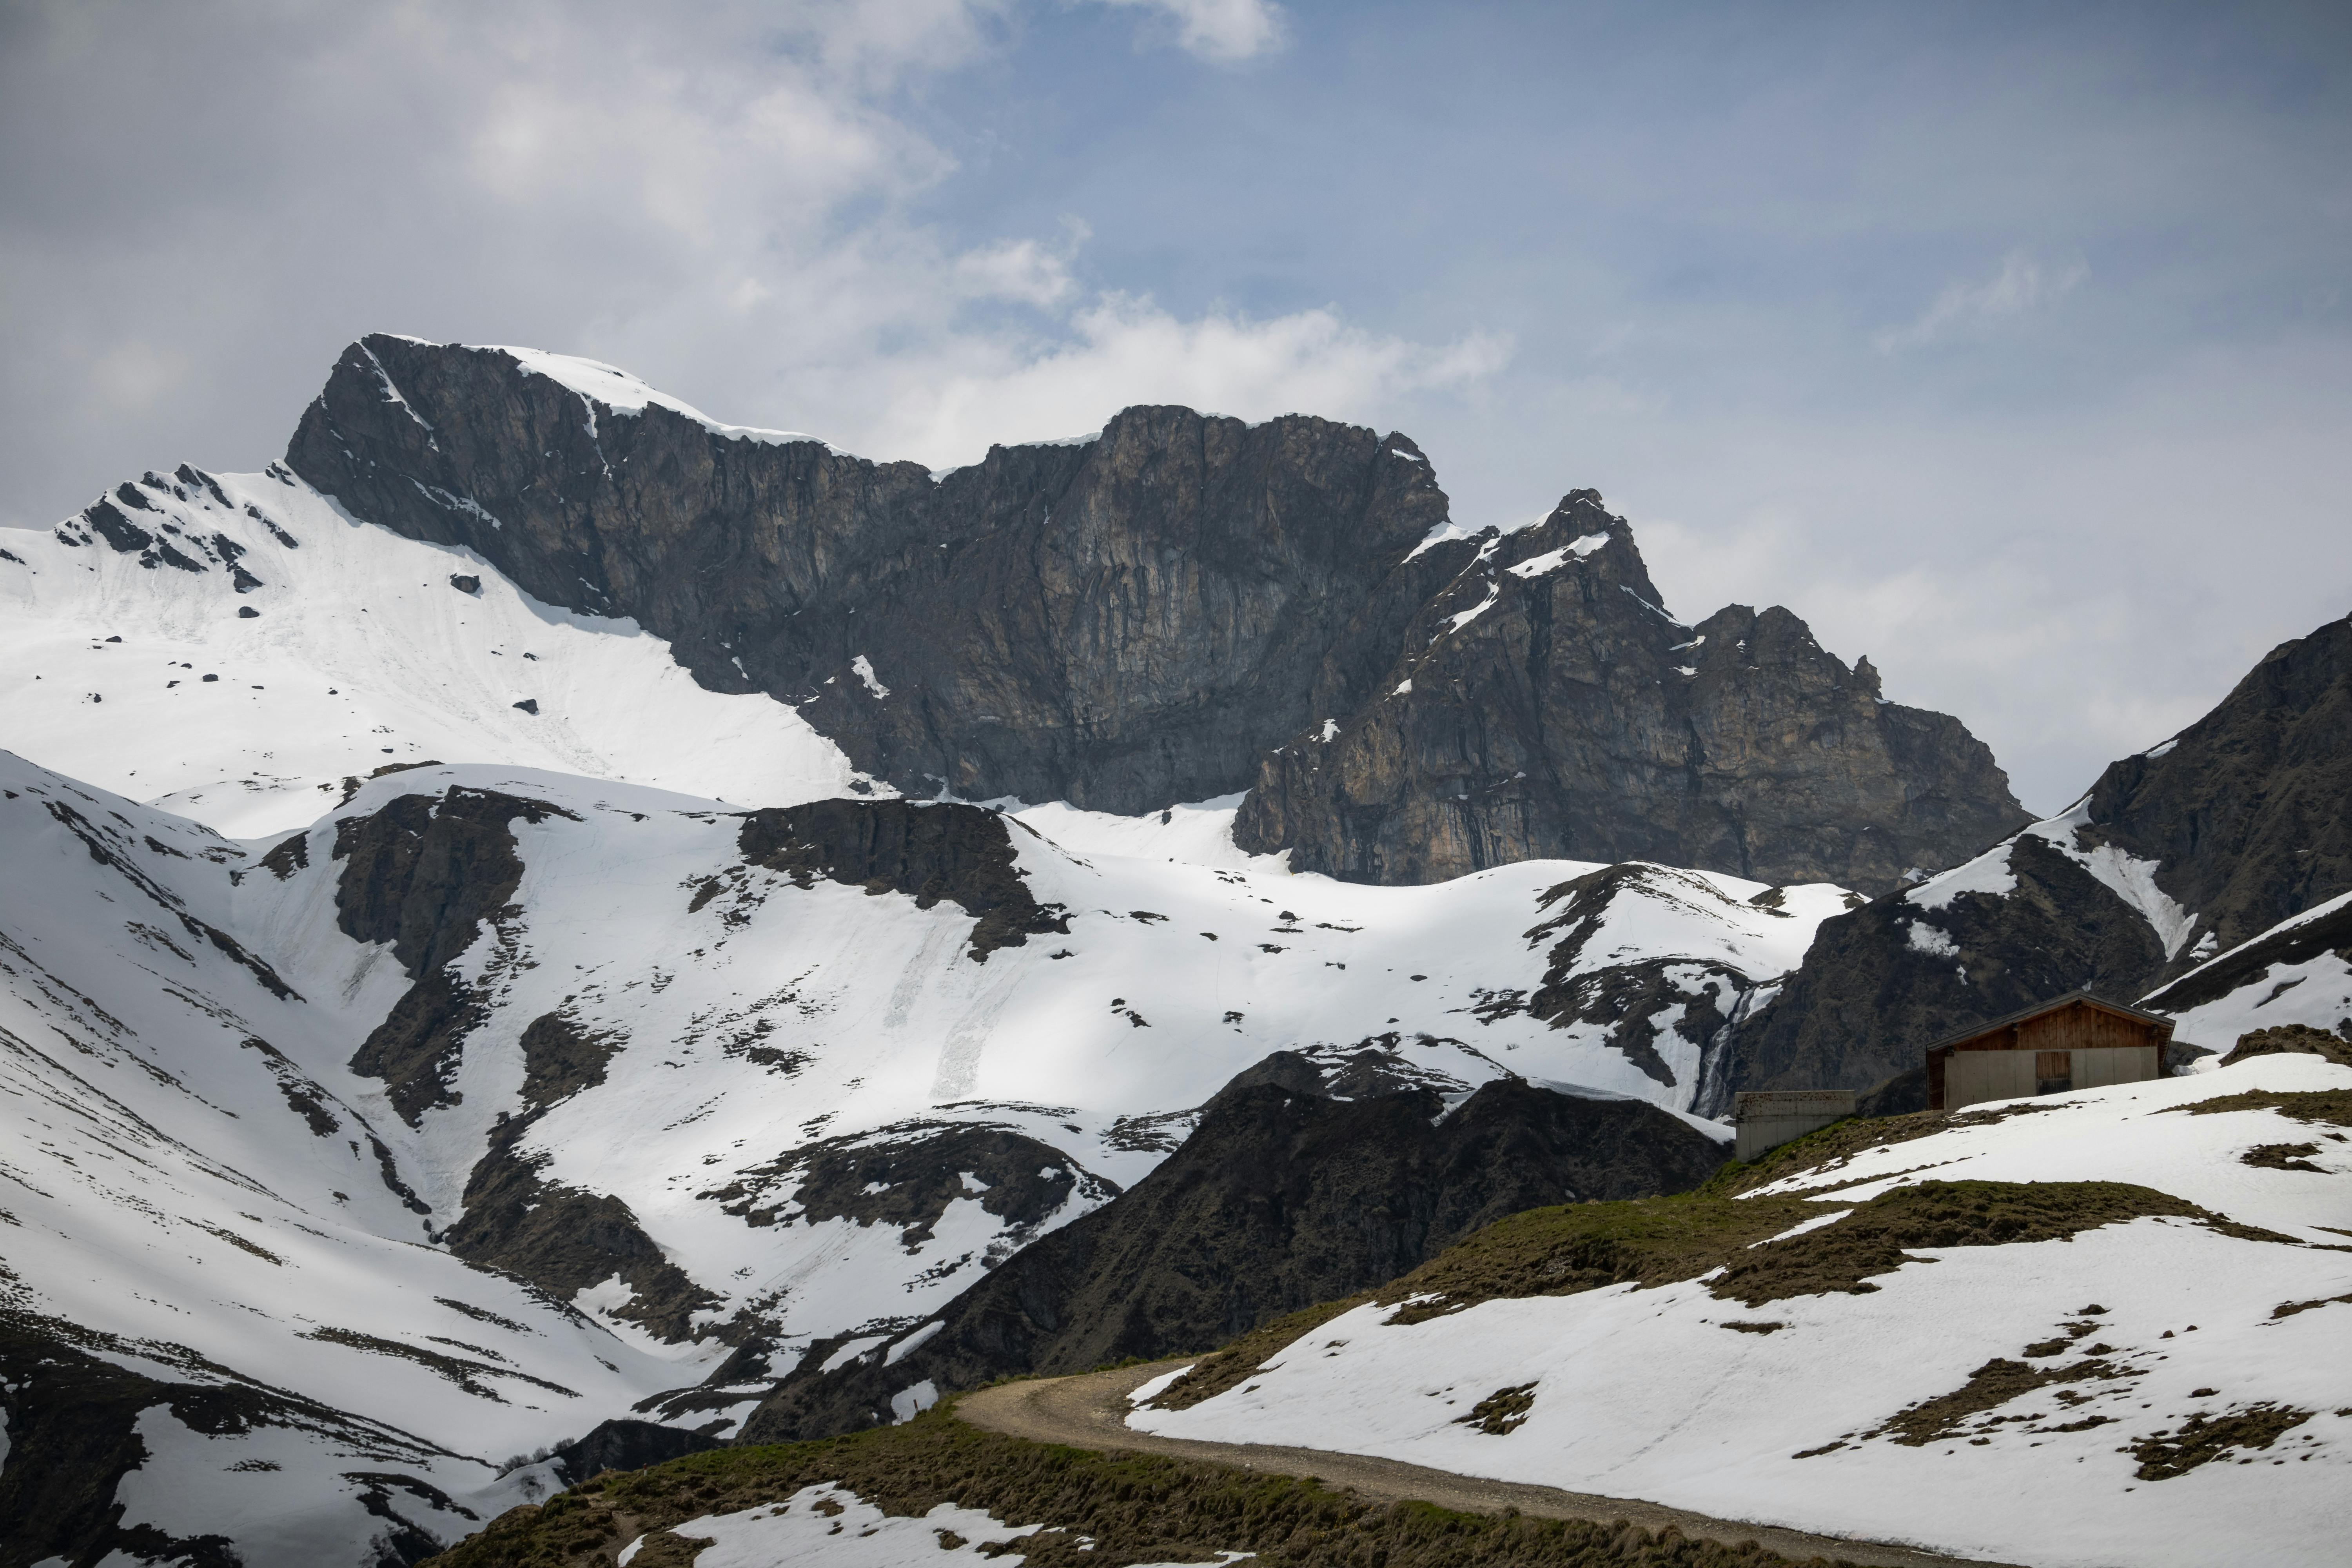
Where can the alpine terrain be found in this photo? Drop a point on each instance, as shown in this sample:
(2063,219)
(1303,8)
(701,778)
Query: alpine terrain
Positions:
(546,935)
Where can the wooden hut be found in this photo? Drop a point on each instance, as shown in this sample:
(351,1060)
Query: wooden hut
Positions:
(2075,1042)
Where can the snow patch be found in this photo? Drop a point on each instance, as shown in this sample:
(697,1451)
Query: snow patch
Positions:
(1553,560)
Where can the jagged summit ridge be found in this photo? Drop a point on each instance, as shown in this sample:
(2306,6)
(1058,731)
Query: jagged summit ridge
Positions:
(1171,611)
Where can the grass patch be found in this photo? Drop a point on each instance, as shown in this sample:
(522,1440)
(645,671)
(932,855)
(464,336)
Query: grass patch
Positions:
(1991,1385)
(2283,1157)
(1655,1241)
(2332,1106)
(1103,1511)
(2201,1442)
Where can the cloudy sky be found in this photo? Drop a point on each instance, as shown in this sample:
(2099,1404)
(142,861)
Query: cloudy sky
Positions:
(2008,344)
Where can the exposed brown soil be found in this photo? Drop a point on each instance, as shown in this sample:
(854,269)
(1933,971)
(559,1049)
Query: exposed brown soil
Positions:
(2291,1040)
(2332,1106)
(1501,1412)
(1988,1387)
(2201,1441)
(2283,1157)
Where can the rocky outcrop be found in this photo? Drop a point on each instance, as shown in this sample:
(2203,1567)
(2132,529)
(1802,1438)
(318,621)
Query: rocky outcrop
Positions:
(960,853)
(2251,963)
(1180,608)
(1123,622)
(423,873)
(2199,846)
(1543,704)
(1280,1198)
(565,1239)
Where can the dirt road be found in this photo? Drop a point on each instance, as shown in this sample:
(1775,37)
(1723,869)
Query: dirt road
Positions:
(1088,1411)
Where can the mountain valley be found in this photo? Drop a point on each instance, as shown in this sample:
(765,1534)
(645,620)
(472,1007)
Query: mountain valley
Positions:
(547,933)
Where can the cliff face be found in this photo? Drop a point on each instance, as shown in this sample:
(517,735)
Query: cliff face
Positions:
(1122,624)
(2176,855)
(1180,608)
(1542,704)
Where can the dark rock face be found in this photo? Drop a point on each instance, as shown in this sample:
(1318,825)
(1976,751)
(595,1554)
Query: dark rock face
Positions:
(626,1446)
(905,1176)
(1122,624)
(1871,996)
(931,852)
(2248,817)
(1558,711)
(564,1239)
(1280,1198)
(423,873)
(110,519)
(2250,812)
(1173,611)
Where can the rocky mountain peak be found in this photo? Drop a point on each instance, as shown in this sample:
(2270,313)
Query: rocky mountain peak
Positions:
(1179,607)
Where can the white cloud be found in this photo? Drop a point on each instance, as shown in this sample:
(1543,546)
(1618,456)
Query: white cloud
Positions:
(2022,284)
(723,202)
(1222,30)
(1121,350)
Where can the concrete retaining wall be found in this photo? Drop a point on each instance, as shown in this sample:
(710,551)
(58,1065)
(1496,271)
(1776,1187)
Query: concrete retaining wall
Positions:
(1766,1119)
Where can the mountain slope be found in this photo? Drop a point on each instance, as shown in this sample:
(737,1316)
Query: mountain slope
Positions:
(282,647)
(2239,824)
(498,1103)
(219,1313)
(1289,1192)
(2116,1310)
(1143,649)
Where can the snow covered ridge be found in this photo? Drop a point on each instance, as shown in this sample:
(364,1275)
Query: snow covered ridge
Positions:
(236,1165)
(2155,1379)
(2129,877)
(234,646)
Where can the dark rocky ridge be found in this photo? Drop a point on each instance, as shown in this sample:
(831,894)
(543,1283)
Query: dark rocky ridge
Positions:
(2248,815)
(1570,716)
(1282,1197)
(1122,624)
(931,852)
(423,873)
(1174,611)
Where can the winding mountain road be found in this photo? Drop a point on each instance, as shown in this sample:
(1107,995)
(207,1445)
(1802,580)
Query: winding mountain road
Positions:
(1089,1411)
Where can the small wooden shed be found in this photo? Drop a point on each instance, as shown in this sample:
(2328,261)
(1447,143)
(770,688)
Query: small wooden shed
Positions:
(2074,1042)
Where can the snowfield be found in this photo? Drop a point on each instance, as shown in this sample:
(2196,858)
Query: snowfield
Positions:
(203,1192)
(1642,1393)
(156,683)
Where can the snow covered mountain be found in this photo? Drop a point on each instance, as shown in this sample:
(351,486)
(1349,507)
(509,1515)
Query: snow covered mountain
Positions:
(473,966)
(2119,1312)
(498,1102)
